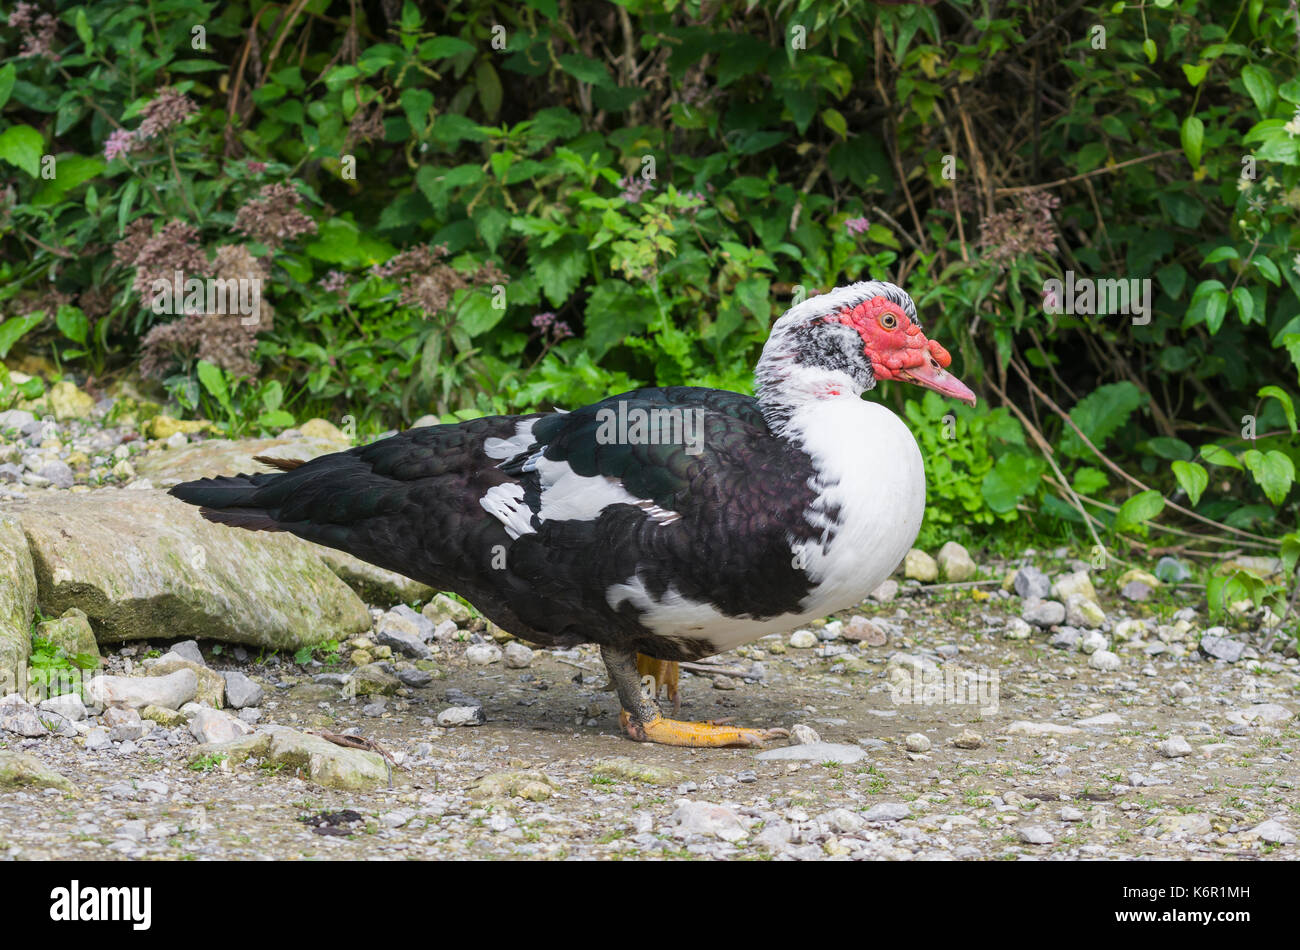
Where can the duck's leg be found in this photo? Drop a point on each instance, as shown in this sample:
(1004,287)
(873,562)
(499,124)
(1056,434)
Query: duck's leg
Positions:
(665,673)
(643,721)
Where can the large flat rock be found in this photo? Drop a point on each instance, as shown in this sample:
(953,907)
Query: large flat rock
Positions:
(142,564)
(226,457)
(17,602)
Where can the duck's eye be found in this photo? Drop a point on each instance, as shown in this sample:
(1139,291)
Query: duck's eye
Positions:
(888,321)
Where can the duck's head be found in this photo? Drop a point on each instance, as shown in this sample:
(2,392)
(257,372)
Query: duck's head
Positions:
(848,339)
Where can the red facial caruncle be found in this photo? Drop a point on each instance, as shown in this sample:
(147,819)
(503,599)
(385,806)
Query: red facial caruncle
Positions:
(898,349)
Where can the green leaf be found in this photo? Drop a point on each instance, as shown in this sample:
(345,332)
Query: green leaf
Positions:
(1195,73)
(1168,447)
(477,314)
(1193,139)
(585,69)
(23,146)
(1274,472)
(1282,396)
(7,76)
(72,323)
(417,103)
(444,47)
(1139,509)
(1245,303)
(1224,252)
(835,121)
(490,92)
(1260,85)
(1218,455)
(82,25)
(1099,414)
(15,328)
(1268,269)
(69,172)
(1193,478)
(1011,479)
(1149,47)
(275,419)
(214,381)
(1216,308)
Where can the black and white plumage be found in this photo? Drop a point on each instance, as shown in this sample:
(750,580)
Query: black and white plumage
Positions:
(674,522)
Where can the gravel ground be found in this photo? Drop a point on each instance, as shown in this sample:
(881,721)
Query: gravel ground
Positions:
(934,723)
(1074,762)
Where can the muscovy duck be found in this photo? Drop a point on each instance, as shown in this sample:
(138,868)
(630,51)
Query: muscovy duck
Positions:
(663,524)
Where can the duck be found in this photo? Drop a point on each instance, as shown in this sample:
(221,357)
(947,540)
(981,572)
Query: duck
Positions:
(664,525)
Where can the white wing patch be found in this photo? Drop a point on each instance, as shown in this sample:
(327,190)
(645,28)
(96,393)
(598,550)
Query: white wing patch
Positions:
(506,503)
(568,496)
(503,449)
(565,496)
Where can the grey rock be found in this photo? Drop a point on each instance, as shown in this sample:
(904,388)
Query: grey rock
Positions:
(1031,584)
(1174,747)
(703,818)
(804,735)
(242,692)
(20,718)
(1023,727)
(1135,591)
(1082,611)
(171,691)
(58,474)
(189,650)
(211,726)
(184,575)
(917,742)
(462,716)
(1221,648)
(17,602)
(955,562)
(97,738)
(1034,834)
(69,706)
(1017,629)
(482,654)
(1105,661)
(19,770)
(402,634)
(518,656)
(1268,714)
(886,592)
(1067,638)
(844,822)
(445,631)
(1093,641)
(814,752)
(1272,832)
(1171,570)
(16,420)
(887,811)
(415,678)
(1043,613)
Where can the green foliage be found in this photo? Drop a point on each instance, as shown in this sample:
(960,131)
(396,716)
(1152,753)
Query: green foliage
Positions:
(633,206)
(963,488)
(55,671)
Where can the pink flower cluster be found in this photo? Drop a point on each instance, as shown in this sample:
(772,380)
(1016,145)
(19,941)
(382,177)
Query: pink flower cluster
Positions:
(170,108)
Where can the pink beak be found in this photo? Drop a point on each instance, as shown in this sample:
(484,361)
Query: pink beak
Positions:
(933,376)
